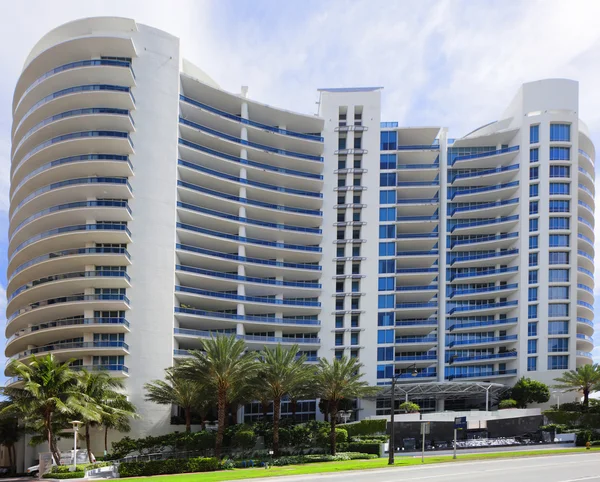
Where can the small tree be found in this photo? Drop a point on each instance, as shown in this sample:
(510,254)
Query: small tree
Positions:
(528,391)
(508,403)
(410,407)
(585,379)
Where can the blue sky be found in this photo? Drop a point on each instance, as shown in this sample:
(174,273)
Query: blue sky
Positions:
(453,63)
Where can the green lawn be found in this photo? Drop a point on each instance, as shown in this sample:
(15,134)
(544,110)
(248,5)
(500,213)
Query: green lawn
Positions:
(323,467)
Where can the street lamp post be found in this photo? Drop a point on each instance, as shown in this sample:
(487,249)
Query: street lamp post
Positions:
(391,445)
(76,424)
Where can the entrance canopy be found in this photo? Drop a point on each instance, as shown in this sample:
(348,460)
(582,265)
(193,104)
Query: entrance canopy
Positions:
(444,390)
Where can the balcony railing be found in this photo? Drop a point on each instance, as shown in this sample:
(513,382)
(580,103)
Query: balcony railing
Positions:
(246,259)
(485,172)
(260,165)
(491,289)
(484,154)
(417,218)
(242,239)
(417,183)
(477,190)
(417,167)
(482,374)
(495,356)
(416,305)
(254,299)
(424,322)
(268,339)
(586,222)
(477,207)
(418,201)
(99,368)
(484,239)
(585,288)
(481,324)
(487,306)
(263,185)
(417,288)
(236,118)
(250,202)
(585,321)
(248,318)
(487,272)
(415,339)
(73,346)
(484,222)
(585,354)
(589,306)
(417,270)
(249,279)
(499,254)
(586,271)
(244,142)
(431,252)
(67,323)
(416,357)
(585,337)
(480,340)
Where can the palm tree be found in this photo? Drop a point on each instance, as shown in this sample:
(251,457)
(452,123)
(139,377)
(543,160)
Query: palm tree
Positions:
(301,391)
(115,418)
(585,379)
(10,433)
(176,389)
(49,388)
(100,392)
(223,367)
(337,381)
(280,371)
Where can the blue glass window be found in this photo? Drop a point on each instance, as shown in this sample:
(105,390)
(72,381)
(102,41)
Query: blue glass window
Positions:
(387,179)
(560,171)
(387,161)
(387,197)
(386,301)
(558,362)
(532,328)
(560,188)
(558,327)
(559,223)
(531,346)
(387,266)
(534,173)
(386,284)
(533,225)
(558,345)
(559,206)
(560,153)
(534,190)
(385,336)
(560,132)
(385,353)
(531,363)
(532,312)
(558,309)
(534,134)
(354,337)
(534,155)
(387,214)
(533,277)
(558,275)
(533,259)
(558,240)
(533,207)
(389,140)
(532,294)
(387,249)
(558,257)
(558,292)
(388,231)
(385,319)
(533,242)
(385,371)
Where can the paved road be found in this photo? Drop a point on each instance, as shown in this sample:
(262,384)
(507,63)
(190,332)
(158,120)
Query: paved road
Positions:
(554,468)
(511,448)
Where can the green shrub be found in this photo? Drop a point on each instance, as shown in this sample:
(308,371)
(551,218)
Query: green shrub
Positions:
(410,407)
(508,403)
(308,459)
(361,447)
(64,475)
(366,427)
(169,466)
(63,469)
(582,437)
(244,439)
(596,443)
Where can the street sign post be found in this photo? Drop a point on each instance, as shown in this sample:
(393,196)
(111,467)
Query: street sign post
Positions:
(425,430)
(460,423)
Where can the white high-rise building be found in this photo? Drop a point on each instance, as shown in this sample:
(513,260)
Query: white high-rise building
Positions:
(150,209)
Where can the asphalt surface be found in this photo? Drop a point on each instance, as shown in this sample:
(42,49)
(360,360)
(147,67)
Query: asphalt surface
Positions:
(486,450)
(553,468)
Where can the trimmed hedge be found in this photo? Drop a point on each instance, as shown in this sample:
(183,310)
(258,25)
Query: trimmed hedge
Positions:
(64,475)
(361,447)
(366,427)
(169,466)
(63,469)
(309,459)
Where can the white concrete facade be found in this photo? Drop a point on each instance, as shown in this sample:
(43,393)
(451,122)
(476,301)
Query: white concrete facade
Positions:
(150,209)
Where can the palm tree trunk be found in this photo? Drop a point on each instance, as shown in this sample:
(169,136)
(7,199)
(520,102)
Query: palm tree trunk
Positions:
(188,419)
(586,397)
(11,460)
(221,405)
(234,413)
(88,444)
(105,439)
(265,408)
(276,417)
(51,441)
(294,407)
(333,409)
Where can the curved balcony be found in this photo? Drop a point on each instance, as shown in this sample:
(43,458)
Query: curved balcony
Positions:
(101,165)
(217,320)
(214,199)
(585,226)
(586,193)
(421,361)
(486,375)
(488,308)
(70,145)
(477,325)
(416,241)
(256,189)
(193,214)
(220,261)
(585,260)
(114,370)
(483,293)
(44,333)
(584,357)
(263,132)
(585,244)
(485,210)
(415,276)
(75,212)
(65,351)
(63,307)
(250,339)
(485,275)
(585,325)
(587,159)
(79,189)
(92,118)
(485,226)
(78,97)
(476,359)
(485,177)
(416,343)
(69,259)
(271,173)
(503,256)
(68,237)
(585,342)
(500,157)
(96,71)
(585,310)
(212,240)
(480,341)
(66,284)
(498,241)
(423,327)
(221,281)
(585,276)
(487,193)
(257,148)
